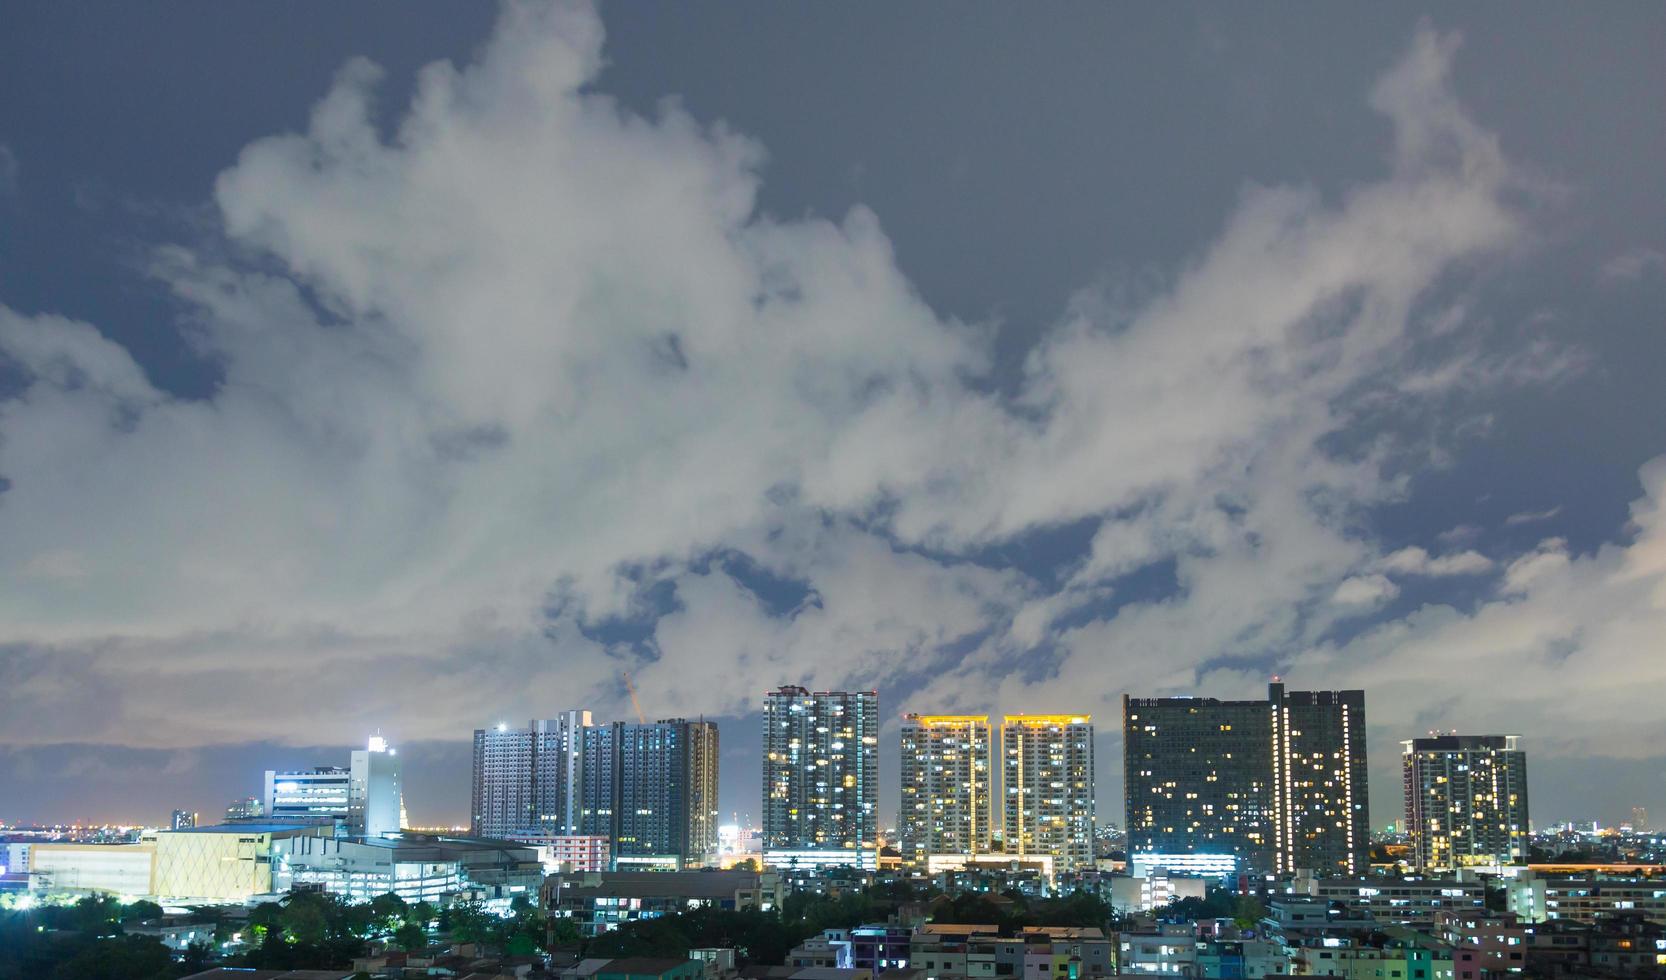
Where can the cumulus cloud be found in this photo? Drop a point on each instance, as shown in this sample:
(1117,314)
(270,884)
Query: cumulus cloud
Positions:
(521,376)
(1567,650)
(1413,560)
(1365,590)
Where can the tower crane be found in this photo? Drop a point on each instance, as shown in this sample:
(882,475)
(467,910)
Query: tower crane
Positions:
(631,689)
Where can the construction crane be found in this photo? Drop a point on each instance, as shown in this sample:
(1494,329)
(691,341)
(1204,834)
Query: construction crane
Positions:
(631,688)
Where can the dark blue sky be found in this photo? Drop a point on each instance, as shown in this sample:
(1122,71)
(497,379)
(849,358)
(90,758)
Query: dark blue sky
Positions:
(1064,197)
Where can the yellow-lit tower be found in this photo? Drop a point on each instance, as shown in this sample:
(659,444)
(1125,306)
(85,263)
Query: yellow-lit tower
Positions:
(946,774)
(1047,787)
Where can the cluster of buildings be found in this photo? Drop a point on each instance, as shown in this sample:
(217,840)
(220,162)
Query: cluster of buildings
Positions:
(600,796)
(338,829)
(1266,786)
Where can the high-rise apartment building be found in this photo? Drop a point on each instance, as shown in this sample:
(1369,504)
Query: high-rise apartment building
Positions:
(557,773)
(182,820)
(1639,819)
(1198,778)
(820,777)
(1321,804)
(526,780)
(1466,800)
(1274,785)
(947,776)
(651,789)
(1047,787)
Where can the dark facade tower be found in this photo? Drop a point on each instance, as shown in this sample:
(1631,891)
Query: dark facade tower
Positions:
(1320,799)
(1466,801)
(820,777)
(1279,784)
(652,790)
(1198,774)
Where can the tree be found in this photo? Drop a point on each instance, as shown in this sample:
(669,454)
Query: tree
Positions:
(140,911)
(410,936)
(123,958)
(424,913)
(562,932)
(470,922)
(304,923)
(388,911)
(198,957)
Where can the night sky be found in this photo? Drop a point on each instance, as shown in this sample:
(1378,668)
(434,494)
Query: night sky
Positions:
(415,368)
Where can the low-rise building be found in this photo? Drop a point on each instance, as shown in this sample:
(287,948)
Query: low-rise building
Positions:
(175,932)
(830,951)
(599,902)
(1397,901)
(222,863)
(1584,897)
(1241,959)
(1164,950)
(1152,891)
(1296,918)
(976,951)
(570,852)
(74,869)
(1394,952)
(1484,943)
(642,968)
(1622,944)
(416,867)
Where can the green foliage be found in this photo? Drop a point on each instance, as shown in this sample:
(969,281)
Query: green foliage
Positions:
(386,912)
(1217,903)
(410,936)
(304,924)
(764,937)
(140,911)
(124,958)
(82,940)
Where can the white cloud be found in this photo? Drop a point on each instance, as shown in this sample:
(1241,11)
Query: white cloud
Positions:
(1413,560)
(490,381)
(1567,651)
(1532,517)
(1365,590)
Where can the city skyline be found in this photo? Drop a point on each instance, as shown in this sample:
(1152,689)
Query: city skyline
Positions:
(424,375)
(1242,755)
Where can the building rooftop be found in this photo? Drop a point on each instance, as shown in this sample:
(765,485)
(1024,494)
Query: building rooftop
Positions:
(271,827)
(232,973)
(641,964)
(640,884)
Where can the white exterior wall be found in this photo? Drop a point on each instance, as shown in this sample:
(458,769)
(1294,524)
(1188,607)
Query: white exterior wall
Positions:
(119,869)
